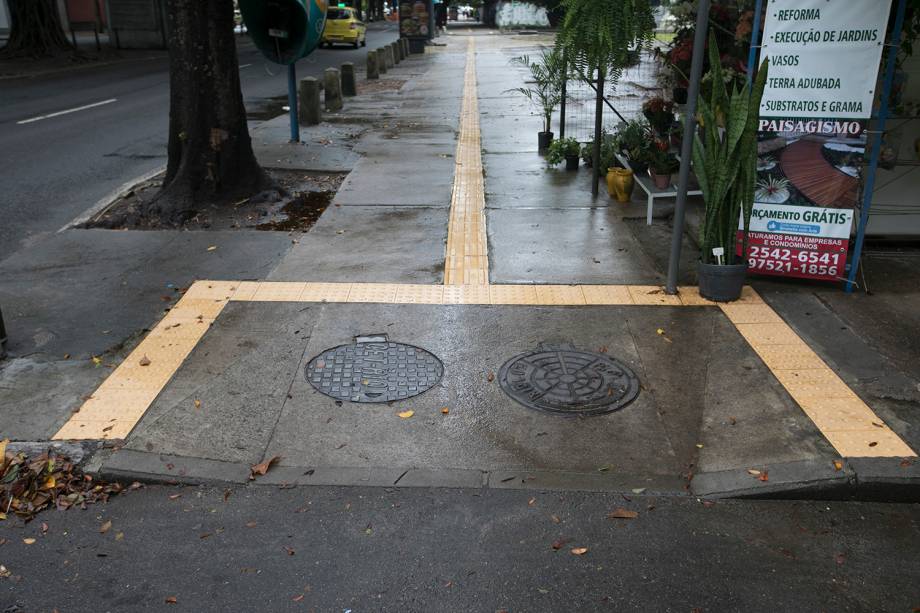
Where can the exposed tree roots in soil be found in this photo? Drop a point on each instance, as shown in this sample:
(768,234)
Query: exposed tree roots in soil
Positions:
(294,203)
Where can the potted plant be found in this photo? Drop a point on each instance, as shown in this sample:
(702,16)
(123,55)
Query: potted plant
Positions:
(660,114)
(633,141)
(544,89)
(662,164)
(567,149)
(725,163)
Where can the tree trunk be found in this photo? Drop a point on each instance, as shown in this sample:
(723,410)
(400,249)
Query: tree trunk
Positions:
(35,31)
(210,154)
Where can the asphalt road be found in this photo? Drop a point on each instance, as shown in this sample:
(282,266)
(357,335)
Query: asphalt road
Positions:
(261,548)
(55,168)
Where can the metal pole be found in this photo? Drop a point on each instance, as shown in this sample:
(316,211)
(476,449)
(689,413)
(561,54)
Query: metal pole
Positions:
(292,102)
(598,130)
(876,146)
(755,41)
(565,82)
(693,92)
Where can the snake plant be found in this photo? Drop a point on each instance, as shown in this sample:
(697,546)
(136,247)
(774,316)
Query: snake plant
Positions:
(725,159)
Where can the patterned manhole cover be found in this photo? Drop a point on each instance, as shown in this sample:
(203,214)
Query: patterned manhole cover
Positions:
(372,369)
(565,380)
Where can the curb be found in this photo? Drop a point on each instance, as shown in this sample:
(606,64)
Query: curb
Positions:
(130,465)
(866,479)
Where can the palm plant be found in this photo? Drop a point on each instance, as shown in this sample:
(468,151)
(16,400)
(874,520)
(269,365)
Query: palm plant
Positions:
(544,90)
(725,159)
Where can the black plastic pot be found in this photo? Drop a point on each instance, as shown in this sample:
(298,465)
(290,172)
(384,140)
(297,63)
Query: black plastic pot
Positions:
(544,139)
(571,162)
(721,283)
(679,95)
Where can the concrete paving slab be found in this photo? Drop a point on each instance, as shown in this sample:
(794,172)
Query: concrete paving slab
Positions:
(484,428)
(374,244)
(523,180)
(410,176)
(566,246)
(241,372)
(99,287)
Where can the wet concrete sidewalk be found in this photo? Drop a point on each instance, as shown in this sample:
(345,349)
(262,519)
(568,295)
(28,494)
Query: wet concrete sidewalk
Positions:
(729,401)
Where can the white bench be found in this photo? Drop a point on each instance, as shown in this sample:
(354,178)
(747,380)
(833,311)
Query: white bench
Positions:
(645,182)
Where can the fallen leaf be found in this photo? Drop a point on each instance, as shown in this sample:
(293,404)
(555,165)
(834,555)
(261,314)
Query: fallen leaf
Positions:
(119,536)
(732,421)
(764,476)
(838,465)
(105,527)
(406,414)
(559,544)
(145,361)
(171,600)
(445,411)
(555,519)
(28,541)
(873,443)
(753,471)
(227,495)
(491,377)
(175,496)
(660,331)
(579,551)
(212,247)
(4,572)
(708,504)
(289,551)
(297,598)
(604,468)
(878,425)
(840,558)
(260,469)
(197,403)
(531,502)
(251,524)
(44,528)
(638,490)
(621,513)
(97,361)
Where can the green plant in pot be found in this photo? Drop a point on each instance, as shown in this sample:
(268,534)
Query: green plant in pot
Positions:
(662,164)
(608,152)
(544,88)
(564,149)
(660,114)
(725,163)
(633,140)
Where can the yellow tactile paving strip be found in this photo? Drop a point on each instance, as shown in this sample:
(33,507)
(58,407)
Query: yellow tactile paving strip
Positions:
(467,256)
(846,421)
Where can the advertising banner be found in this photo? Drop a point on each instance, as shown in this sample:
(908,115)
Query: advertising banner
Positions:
(824,61)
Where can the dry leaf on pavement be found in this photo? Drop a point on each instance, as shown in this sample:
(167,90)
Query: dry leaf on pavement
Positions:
(559,543)
(579,551)
(145,361)
(621,513)
(171,600)
(838,465)
(260,469)
(28,541)
(406,414)
(105,527)
(445,411)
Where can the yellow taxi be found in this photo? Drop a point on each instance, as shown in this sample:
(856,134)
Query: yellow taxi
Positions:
(343,26)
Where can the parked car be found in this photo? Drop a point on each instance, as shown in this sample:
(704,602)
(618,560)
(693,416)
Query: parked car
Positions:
(343,26)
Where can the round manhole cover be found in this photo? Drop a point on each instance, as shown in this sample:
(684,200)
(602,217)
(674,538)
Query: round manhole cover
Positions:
(565,380)
(374,371)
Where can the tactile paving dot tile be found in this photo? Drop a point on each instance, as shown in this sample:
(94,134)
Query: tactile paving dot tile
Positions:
(768,334)
(652,295)
(466,294)
(280,291)
(607,294)
(211,290)
(750,314)
(372,292)
(562,295)
(512,294)
(326,292)
(789,357)
(420,294)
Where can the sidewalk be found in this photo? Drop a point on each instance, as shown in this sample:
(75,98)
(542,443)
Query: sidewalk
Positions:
(454,239)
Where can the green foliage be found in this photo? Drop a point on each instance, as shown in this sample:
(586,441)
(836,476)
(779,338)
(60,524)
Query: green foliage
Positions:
(547,73)
(725,158)
(561,148)
(603,34)
(608,152)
